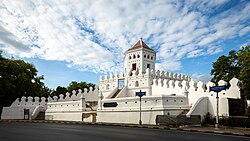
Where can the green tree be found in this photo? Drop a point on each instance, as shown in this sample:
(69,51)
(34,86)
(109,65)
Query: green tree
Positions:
(225,68)
(17,79)
(81,85)
(244,64)
(59,90)
(236,64)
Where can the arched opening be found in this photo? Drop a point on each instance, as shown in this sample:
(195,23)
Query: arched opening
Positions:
(134,56)
(129,57)
(138,56)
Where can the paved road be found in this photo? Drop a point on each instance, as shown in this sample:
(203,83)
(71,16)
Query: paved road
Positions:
(64,132)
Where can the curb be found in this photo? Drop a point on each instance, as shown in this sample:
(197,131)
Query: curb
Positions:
(129,125)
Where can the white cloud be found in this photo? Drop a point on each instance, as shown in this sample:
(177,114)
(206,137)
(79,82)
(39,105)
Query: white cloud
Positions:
(201,77)
(94,35)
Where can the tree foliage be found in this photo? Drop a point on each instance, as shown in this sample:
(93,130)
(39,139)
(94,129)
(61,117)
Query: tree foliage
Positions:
(17,79)
(81,85)
(236,64)
(59,90)
(72,86)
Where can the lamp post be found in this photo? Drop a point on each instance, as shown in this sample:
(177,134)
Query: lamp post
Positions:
(217,89)
(140,94)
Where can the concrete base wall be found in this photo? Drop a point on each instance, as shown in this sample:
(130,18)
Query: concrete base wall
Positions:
(70,116)
(147,117)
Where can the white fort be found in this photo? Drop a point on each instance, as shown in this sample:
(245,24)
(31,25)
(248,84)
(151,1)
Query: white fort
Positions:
(115,99)
(166,93)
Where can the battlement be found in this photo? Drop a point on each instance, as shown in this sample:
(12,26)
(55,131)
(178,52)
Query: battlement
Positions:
(89,95)
(111,77)
(167,75)
(29,102)
(170,86)
(169,83)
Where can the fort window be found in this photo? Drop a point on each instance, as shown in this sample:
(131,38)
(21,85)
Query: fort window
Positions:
(107,86)
(145,56)
(151,57)
(148,65)
(148,56)
(129,57)
(134,66)
(138,56)
(134,56)
(136,84)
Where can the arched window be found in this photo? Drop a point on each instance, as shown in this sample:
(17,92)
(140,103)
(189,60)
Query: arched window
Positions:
(134,56)
(107,86)
(148,56)
(136,84)
(138,56)
(145,56)
(152,58)
(129,57)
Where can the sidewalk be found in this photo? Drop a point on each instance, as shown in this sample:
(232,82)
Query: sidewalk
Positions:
(238,131)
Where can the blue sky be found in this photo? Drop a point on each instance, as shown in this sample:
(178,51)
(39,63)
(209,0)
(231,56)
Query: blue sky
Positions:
(82,39)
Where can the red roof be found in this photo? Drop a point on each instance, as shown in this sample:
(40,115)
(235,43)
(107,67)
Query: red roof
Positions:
(140,44)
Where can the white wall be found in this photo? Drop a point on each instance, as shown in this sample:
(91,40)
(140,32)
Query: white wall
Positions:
(16,110)
(200,107)
(127,110)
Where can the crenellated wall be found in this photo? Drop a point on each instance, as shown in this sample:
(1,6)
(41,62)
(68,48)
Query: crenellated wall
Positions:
(108,84)
(89,95)
(16,110)
(157,74)
(72,108)
(139,80)
(169,86)
(195,90)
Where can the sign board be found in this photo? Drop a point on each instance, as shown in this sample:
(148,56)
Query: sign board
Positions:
(140,94)
(217,88)
(110,104)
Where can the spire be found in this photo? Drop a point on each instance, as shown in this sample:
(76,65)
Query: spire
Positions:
(140,44)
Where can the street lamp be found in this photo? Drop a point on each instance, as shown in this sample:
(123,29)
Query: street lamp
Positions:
(140,94)
(217,89)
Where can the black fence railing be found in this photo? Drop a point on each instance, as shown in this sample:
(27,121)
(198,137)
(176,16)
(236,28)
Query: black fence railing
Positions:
(233,121)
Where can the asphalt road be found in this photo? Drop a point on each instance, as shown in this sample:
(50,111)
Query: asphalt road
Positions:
(14,131)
